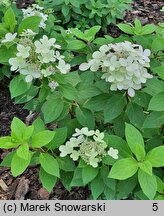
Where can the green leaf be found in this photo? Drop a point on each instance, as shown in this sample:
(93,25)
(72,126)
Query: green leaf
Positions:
(38,125)
(3,29)
(19,165)
(42,138)
(29,94)
(135,114)
(125,187)
(68,91)
(17,128)
(88,91)
(114,107)
(77,178)
(48,181)
(66,164)
(109,193)
(135,141)
(97,187)
(148,184)
(7,160)
(30,23)
(90,34)
(9,53)
(10,20)
(28,132)
(124,169)
(146,166)
(97,103)
(85,117)
(156,156)
(59,138)
(89,173)
(18,86)
(154,120)
(118,143)
(76,45)
(65,10)
(157,102)
(52,108)
(6,143)
(154,86)
(126,28)
(109,182)
(160,185)
(138,25)
(49,164)
(158,44)
(23,151)
(159,70)
(159,197)
(73,78)
(142,99)
(148,29)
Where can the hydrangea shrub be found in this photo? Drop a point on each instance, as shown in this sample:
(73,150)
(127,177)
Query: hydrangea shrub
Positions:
(99,102)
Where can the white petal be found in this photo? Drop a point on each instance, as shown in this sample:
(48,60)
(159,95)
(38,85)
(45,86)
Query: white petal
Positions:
(84,66)
(131,92)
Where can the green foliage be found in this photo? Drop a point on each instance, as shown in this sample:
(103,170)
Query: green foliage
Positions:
(137,29)
(133,126)
(85,13)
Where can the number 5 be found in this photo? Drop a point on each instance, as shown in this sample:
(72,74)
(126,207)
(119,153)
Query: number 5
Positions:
(155,207)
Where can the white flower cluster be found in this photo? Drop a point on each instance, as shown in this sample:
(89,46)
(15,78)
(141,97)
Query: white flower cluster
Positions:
(123,64)
(89,145)
(36,10)
(37,59)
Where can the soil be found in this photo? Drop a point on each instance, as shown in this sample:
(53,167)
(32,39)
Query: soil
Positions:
(27,186)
